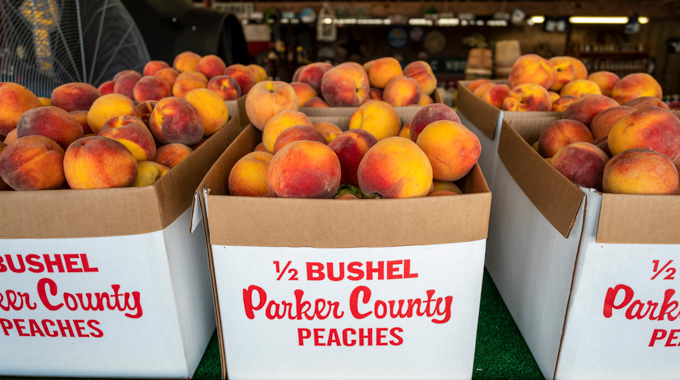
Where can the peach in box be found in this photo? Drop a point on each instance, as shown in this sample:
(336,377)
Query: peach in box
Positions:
(175,120)
(483,88)
(605,120)
(606,80)
(211,108)
(225,86)
(297,133)
(395,168)
(74,96)
(243,75)
(151,88)
(148,172)
(422,73)
(580,70)
(634,86)
(171,155)
(582,163)
(108,106)
(52,122)
(312,74)
(472,86)
(11,137)
(303,91)
(211,66)
(564,72)
(649,128)
(81,116)
(345,85)
(429,114)
(451,148)
(647,101)
(15,99)
(328,130)
(98,162)
(496,94)
(106,87)
(152,67)
(169,74)
(382,71)
(259,72)
(580,87)
(402,91)
(32,163)
(188,81)
(125,84)
(248,177)
(425,100)
(587,107)
(640,171)
(350,147)
(268,98)
(561,104)
(527,97)
(561,133)
(377,117)
(186,61)
(144,110)
(316,103)
(131,132)
(304,169)
(279,123)
(531,68)
(3,185)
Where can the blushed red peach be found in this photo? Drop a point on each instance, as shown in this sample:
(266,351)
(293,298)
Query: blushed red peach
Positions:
(564,72)
(124,72)
(496,95)
(472,86)
(429,114)
(171,155)
(268,98)
(152,67)
(312,74)
(186,61)
(98,162)
(108,106)
(561,104)
(479,91)
(453,150)
(423,74)
(225,86)
(378,118)
(52,122)
(248,177)
(211,108)
(328,130)
(640,171)
(259,72)
(527,97)
(243,76)
(649,128)
(350,147)
(402,91)
(634,86)
(561,133)
(16,99)
(74,96)
(606,80)
(144,110)
(151,88)
(187,81)
(125,84)
(170,75)
(297,133)
(582,163)
(279,123)
(345,85)
(383,70)
(131,132)
(211,66)
(316,103)
(175,120)
(531,68)
(580,70)
(375,94)
(580,87)
(647,101)
(32,163)
(605,120)
(587,107)
(303,91)
(106,87)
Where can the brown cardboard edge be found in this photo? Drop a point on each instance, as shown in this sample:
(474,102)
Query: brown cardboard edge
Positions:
(243,116)
(480,113)
(557,198)
(639,219)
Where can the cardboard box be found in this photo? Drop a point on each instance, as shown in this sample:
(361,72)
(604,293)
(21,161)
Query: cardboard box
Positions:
(347,111)
(579,269)
(238,108)
(485,121)
(335,326)
(109,282)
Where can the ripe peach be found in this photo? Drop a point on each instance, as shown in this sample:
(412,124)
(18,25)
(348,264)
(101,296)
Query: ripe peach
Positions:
(225,86)
(649,128)
(328,130)
(395,167)
(242,74)
(383,70)
(151,88)
(429,114)
(640,171)
(531,68)
(451,148)
(260,148)
(406,131)
(125,84)
(634,86)
(378,118)
(211,66)
(211,108)
(564,72)
(472,86)
(479,91)
(98,162)
(345,85)
(279,123)
(106,87)
(175,120)
(52,122)
(248,177)
(144,110)
(11,137)
(647,101)
(304,169)
(74,96)
(81,116)
(45,101)
(350,147)
(527,97)
(303,91)
(425,100)
(131,132)
(582,163)
(605,120)
(148,172)
(423,74)
(602,144)
(606,80)
(186,61)
(152,67)
(108,106)
(124,72)
(445,186)
(496,94)
(554,96)
(297,133)
(15,99)
(32,163)
(312,74)
(561,104)
(587,107)
(375,94)
(170,75)
(268,98)
(171,155)
(188,81)
(580,70)
(561,133)
(580,87)
(259,72)
(402,91)
(316,103)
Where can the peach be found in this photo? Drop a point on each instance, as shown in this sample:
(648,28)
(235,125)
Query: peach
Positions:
(211,66)
(587,107)
(108,106)
(527,97)
(171,155)
(268,98)
(151,88)
(634,86)
(375,94)
(106,87)
(131,132)
(649,128)
(367,65)
(303,91)
(496,95)
(531,68)
(3,185)
(378,118)
(144,110)
(81,116)
(312,74)
(402,91)
(606,80)
(74,96)
(187,81)
(425,100)
(242,74)
(125,84)
(32,163)
(279,123)
(225,86)
(647,101)
(52,122)
(15,99)
(345,85)
(297,133)
(211,108)
(316,103)
(11,137)
(395,167)
(602,144)
(445,186)
(248,177)
(534,146)
(561,104)
(605,120)
(582,163)
(472,86)
(148,172)
(186,61)
(98,162)
(45,101)
(423,74)
(580,71)
(429,114)
(260,148)
(350,147)
(440,193)
(554,96)
(561,133)
(479,91)
(564,72)
(640,171)
(406,131)
(152,67)
(383,70)
(451,148)
(124,72)
(175,120)
(328,130)
(259,72)
(580,87)
(170,75)
(304,169)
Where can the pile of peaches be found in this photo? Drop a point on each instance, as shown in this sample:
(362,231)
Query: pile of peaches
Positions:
(128,132)
(376,157)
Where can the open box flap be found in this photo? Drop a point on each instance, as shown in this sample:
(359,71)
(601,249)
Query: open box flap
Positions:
(639,219)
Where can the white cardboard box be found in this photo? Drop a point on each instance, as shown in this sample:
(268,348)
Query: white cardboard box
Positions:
(107,283)
(573,264)
(282,249)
